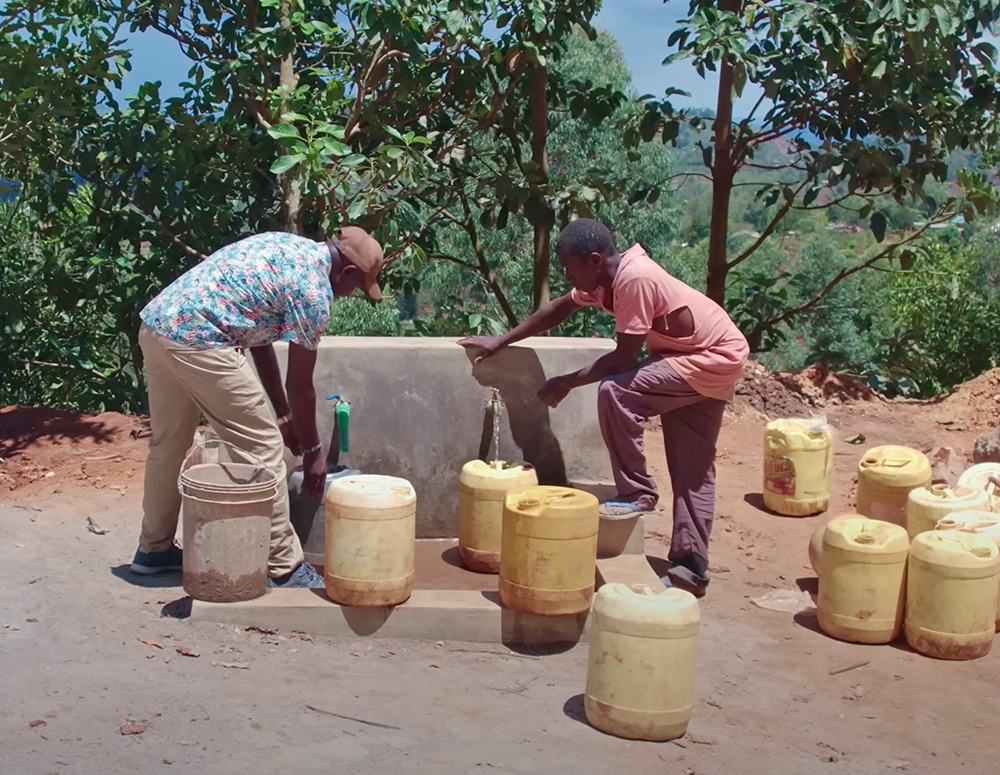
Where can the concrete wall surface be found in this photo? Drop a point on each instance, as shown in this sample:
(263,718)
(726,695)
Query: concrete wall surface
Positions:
(419,411)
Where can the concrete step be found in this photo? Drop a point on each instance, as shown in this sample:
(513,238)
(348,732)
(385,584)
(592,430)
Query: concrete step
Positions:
(474,616)
(627,569)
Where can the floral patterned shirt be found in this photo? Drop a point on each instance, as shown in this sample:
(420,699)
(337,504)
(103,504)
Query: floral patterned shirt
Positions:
(265,288)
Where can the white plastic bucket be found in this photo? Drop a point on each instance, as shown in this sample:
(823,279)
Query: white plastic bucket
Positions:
(227,527)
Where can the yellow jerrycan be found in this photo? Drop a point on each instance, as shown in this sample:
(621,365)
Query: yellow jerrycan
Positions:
(641,667)
(926,505)
(985,477)
(885,477)
(798,462)
(370,540)
(548,551)
(862,580)
(981,523)
(816,542)
(951,594)
(482,488)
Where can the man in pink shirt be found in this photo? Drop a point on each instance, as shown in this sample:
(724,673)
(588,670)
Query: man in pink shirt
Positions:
(696,355)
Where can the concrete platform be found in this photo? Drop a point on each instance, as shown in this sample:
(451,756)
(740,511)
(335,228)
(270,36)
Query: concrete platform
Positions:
(621,535)
(448,603)
(627,569)
(429,614)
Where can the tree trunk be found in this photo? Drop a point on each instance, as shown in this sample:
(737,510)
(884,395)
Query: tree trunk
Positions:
(291,190)
(543,213)
(723,171)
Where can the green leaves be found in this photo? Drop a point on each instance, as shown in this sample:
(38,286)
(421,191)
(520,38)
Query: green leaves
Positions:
(283,131)
(878,224)
(352,160)
(946,23)
(283,164)
(334,147)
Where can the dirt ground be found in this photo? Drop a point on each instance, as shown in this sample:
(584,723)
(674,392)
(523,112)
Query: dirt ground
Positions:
(769,699)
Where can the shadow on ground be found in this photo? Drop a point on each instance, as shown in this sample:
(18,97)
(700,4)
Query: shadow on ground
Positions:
(22,426)
(177,609)
(158,581)
(574,709)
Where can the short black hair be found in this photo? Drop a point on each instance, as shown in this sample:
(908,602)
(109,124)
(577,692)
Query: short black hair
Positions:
(584,236)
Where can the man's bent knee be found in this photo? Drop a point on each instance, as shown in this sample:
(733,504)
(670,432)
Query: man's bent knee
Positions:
(607,390)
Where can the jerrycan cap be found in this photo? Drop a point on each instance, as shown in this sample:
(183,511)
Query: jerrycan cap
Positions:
(641,589)
(529,503)
(865,539)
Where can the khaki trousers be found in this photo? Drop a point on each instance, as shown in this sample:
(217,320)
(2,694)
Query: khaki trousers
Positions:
(184,383)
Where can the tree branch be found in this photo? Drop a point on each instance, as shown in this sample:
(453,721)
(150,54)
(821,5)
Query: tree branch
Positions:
(764,325)
(32,362)
(484,268)
(768,230)
(460,261)
(775,167)
(125,196)
(193,43)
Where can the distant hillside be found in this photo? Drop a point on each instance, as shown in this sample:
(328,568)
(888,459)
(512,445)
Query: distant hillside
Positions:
(688,156)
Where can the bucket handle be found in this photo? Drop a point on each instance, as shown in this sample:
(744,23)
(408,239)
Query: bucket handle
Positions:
(252,459)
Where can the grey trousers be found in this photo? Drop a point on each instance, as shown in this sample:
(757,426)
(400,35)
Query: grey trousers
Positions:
(691,425)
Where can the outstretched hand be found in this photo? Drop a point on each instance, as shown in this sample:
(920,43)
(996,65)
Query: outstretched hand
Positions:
(554,391)
(487,345)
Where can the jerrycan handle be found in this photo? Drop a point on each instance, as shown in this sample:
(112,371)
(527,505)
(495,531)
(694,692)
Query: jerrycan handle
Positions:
(531,503)
(947,523)
(881,459)
(977,551)
(945,538)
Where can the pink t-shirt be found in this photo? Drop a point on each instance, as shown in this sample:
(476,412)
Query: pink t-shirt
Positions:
(710,360)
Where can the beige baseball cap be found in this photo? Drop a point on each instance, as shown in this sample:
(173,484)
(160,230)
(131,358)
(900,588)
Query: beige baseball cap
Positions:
(363,250)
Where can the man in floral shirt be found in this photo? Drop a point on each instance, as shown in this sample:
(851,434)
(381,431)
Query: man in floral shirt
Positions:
(266,288)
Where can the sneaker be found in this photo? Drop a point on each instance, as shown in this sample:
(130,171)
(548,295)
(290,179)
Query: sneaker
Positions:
(148,563)
(305,575)
(690,573)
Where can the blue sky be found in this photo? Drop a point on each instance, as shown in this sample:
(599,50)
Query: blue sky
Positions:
(641,27)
